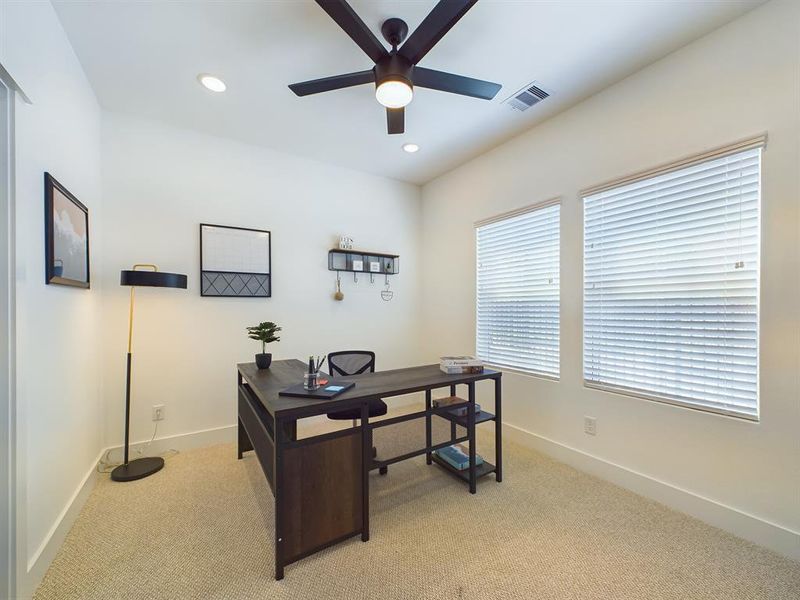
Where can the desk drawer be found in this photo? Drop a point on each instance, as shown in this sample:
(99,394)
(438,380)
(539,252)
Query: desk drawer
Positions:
(259,426)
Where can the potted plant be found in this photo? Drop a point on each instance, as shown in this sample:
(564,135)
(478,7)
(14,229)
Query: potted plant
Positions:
(264,333)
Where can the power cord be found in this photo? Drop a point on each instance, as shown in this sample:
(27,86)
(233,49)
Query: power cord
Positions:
(106,465)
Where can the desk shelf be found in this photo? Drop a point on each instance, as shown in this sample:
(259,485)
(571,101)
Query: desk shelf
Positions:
(480,417)
(482,469)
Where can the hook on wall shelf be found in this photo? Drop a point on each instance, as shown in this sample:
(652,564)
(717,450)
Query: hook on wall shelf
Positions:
(359,261)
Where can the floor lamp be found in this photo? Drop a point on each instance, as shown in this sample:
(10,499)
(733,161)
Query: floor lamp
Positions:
(144,276)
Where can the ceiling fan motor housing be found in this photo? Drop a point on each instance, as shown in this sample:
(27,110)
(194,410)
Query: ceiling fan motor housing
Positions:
(394,67)
(394,31)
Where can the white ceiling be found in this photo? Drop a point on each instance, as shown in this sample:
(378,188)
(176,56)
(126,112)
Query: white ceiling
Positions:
(142,58)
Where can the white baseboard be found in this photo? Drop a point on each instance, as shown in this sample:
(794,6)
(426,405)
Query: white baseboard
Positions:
(47,550)
(44,555)
(179,441)
(747,526)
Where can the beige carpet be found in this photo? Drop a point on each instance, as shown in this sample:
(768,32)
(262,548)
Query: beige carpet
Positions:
(202,528)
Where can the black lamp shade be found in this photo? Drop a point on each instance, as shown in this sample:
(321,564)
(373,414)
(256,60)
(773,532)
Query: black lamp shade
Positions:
(152,279)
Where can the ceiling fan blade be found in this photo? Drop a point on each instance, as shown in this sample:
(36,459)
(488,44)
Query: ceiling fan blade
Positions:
(344,15)
(396,120)
(433,27)
(455,84)
(337,82)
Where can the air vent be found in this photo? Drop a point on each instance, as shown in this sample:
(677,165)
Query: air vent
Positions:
(528,96)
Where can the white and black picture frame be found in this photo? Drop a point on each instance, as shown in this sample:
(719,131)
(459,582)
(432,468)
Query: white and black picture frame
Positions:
(235,262)
(66,236)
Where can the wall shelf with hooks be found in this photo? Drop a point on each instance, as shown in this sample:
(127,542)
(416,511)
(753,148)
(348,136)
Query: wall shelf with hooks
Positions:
(359,261)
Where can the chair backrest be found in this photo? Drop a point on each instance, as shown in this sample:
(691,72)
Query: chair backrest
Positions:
(351,362)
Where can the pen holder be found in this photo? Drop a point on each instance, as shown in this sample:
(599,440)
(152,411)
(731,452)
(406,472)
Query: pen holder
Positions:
(311,381)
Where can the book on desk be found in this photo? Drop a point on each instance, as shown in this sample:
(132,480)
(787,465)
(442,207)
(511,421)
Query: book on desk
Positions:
(460,365)
(333,388)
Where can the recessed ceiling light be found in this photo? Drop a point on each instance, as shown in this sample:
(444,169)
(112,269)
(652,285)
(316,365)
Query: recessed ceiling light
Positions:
(410,148)
(215,84)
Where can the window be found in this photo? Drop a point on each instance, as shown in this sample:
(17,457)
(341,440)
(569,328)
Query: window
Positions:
(517,291)
(671,268)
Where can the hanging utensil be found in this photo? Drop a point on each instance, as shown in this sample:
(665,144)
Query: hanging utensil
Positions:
(338,295)
(387,294)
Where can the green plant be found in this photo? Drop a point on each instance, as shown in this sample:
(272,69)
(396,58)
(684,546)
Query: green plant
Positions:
(264,333)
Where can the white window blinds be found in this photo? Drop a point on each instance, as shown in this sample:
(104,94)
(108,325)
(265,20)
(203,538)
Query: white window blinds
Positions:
(518,291)
(671,268)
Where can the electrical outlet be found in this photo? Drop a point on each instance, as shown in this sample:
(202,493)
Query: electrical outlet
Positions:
(590,425)
(158,412)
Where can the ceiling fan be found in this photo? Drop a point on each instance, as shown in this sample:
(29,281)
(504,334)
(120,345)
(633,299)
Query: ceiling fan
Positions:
(396,72)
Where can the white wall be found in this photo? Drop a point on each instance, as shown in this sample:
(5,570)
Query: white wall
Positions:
(58,371)
(160,183)
(740,80)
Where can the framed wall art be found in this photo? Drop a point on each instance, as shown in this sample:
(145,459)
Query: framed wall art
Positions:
(66,236)
(235,262)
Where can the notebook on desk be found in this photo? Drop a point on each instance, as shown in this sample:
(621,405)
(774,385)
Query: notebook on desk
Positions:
(333,388)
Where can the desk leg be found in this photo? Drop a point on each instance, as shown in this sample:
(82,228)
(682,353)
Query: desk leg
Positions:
(244,444)
(366,454)
(471,434)
(452,423)
(290,429)
(279,488)
(428,434)
(498,430)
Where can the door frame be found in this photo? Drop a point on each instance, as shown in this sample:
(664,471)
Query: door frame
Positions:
(8,415)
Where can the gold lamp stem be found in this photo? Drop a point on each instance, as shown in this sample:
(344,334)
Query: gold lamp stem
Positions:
(138,267)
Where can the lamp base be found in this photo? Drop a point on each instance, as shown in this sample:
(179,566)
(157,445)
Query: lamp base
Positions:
(138,469)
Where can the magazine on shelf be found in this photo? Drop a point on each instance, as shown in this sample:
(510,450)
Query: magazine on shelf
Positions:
(457,456)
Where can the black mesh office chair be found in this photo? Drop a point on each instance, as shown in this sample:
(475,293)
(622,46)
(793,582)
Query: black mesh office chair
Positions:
(355,362)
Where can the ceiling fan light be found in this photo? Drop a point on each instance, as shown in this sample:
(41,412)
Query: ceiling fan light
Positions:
(394,93)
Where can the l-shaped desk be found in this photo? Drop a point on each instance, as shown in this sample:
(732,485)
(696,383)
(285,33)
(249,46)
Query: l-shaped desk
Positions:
(321,483)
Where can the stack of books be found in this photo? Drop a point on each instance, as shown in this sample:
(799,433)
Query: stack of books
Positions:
(459,365)
(457,456)
(460,411)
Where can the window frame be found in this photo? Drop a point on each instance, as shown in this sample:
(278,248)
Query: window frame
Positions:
(760,142)
(528,208)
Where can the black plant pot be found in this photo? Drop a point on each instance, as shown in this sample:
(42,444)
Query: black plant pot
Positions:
(263,361)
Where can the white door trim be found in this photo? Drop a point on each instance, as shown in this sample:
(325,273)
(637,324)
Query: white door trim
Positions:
(9,552)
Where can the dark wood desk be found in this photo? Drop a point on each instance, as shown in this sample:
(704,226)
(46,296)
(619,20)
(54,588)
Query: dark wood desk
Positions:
(321,483)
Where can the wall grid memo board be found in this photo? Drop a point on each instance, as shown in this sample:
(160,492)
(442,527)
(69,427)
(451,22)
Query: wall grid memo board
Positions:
(235,262)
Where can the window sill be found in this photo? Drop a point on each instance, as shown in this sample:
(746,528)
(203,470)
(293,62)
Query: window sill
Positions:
(532,374)
(671,401)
